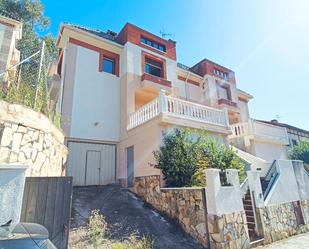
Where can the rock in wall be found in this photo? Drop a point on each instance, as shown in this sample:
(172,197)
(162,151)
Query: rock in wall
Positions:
(185,205)
(29,138)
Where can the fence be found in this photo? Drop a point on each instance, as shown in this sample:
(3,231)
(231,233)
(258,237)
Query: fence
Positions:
(47,201)
(30,80)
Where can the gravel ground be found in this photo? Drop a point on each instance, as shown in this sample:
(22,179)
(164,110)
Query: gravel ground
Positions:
(125,214)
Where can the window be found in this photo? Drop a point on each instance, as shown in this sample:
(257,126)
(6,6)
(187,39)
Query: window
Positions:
(108,65)
(223,93)
(153,44)
(153,67)
(221,74)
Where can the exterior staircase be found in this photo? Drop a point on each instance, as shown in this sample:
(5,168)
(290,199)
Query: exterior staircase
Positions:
(248,206)
(270,178)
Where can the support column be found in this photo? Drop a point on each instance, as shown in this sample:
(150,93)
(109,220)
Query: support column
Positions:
(163,101)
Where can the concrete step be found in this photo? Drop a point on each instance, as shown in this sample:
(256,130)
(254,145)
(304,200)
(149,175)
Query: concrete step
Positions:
(247,202)
(249,212)
(250,218)
(257,242)
(251,225)
(248,207)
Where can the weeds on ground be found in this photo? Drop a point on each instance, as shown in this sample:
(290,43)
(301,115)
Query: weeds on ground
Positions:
(97,228)
(98,233)
(134,243)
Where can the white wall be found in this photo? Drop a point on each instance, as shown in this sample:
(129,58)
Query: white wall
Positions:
(270,152)
(96,99)
(244,111)
(285,188)
(223,199)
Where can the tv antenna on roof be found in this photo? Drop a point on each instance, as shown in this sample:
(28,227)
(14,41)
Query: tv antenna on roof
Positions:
(164,34)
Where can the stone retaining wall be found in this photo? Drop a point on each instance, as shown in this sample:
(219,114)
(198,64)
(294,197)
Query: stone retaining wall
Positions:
(29,138)
(185,205)
(305,208)
(279,221)
(228,230)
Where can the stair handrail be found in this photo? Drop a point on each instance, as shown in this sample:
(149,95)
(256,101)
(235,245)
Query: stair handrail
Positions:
(270,171)
(244,187)
(271,176)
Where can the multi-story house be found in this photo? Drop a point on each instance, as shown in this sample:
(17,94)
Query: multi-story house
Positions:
(120,92)
(10,32)
(295,134)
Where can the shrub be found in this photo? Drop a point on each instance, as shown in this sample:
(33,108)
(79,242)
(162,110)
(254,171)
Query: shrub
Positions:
(97,228)
(300,152)
(185,154)
(134,243)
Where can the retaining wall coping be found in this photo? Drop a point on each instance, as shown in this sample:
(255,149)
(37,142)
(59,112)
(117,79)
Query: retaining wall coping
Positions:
(184,188)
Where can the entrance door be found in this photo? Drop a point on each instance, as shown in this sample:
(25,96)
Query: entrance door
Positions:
(130,165)
(91,163)
(93,167)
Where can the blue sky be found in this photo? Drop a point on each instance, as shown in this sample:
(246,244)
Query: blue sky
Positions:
(266,42)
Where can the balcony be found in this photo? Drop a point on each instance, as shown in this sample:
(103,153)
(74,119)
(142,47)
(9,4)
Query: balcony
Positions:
(180,112)
(227,102)
(260,131)
(155,82)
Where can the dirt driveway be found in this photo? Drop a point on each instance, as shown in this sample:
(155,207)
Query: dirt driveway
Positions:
(126,214)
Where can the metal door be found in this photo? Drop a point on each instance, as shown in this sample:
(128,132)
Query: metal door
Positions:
(91,163)
(130,165)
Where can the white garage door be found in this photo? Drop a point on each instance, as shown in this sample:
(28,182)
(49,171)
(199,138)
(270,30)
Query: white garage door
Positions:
(91,164)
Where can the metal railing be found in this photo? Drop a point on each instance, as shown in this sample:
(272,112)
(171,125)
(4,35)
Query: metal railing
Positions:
(271,177)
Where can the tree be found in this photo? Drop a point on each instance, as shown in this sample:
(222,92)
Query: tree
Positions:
(301,152)
(31,14)
(186,153)
(24,82)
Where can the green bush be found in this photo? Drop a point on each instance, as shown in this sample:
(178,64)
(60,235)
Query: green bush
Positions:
(186,153)
(300,152)
(97,228)
(134,243)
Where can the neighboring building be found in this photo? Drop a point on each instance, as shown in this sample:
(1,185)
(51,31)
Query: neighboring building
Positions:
(121,91)
(10,32)
(295,134)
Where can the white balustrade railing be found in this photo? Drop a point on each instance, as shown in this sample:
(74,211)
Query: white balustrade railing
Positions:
(145,113)
(189,110)
(253,127)
(241,129)
(176,107)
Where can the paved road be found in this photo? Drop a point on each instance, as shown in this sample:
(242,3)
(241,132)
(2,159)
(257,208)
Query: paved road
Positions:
(296,242)
(126,214)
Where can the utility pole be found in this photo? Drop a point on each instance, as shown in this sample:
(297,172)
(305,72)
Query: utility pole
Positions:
(39,75)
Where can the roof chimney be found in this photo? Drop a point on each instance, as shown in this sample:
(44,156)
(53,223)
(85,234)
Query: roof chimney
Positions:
(274,121)
(111,33)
